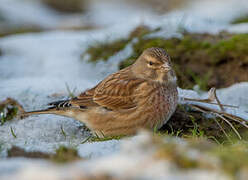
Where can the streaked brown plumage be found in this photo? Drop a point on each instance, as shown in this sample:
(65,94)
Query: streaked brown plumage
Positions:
(143,95)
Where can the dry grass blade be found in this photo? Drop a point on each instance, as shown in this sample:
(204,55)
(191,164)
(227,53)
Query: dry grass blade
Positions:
(217,99)
(236,119)
(203,111)
(211,97)
(222,129)
(218,114)
(226,115)
(230,124)
(208,102)
(221,114)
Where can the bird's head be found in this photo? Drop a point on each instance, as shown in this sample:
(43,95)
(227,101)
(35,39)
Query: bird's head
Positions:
(155,64)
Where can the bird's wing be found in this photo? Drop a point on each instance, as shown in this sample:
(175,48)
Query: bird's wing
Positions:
(118,91)
(85,99)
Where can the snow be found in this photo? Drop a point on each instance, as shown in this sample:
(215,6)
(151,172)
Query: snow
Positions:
(35,67)
(235,95)
(28,12)
(91,150)
(135,160)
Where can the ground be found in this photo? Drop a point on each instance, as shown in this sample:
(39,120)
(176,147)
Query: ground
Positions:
(207,49)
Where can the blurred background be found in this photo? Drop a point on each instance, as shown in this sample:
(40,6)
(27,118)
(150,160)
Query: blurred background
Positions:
(55,49)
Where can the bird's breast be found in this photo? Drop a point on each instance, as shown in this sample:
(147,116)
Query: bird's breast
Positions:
(163,102)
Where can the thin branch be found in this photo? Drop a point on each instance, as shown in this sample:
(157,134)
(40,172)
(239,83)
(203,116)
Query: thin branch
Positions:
(227,115)
(217,99)
(208,102)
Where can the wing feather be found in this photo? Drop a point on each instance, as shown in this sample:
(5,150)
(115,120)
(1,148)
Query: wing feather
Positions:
(117,91)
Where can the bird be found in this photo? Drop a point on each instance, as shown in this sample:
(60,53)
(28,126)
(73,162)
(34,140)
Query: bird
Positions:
(141,96)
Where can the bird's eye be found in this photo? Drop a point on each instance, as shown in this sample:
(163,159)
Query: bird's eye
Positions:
(150,63)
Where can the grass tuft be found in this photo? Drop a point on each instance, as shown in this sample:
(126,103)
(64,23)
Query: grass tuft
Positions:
(12,132)
(7,113)
(100,139)
(64,154)
(104,50)
(231,159)
(239,20)
(188,123)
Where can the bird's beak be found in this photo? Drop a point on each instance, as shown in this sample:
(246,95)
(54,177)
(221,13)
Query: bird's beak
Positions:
(166,67)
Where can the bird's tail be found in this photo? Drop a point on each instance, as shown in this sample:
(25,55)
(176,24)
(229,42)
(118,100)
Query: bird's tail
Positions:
(44,111)
(55,108)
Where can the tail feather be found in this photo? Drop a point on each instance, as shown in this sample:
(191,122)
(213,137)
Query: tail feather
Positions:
(59,108)
(44,111)
(60,104)
(53,109)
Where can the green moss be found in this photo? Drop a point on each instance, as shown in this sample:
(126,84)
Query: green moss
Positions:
(7,113)
(64,154)
(243,19)
(170,152)
(180,51)
(232,159)
(187,123)
(233,48)
(103,51)
(197,58)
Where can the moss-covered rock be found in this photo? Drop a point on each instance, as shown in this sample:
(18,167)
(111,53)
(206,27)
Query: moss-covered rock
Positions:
(199,59)
(203,59)
(104,50)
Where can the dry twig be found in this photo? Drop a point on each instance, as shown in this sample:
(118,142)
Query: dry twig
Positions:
(212,96)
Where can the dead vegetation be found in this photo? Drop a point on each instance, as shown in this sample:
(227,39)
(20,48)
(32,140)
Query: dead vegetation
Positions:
(62,155)
(199,59)
(9,109)
(190,120)
(67,6)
